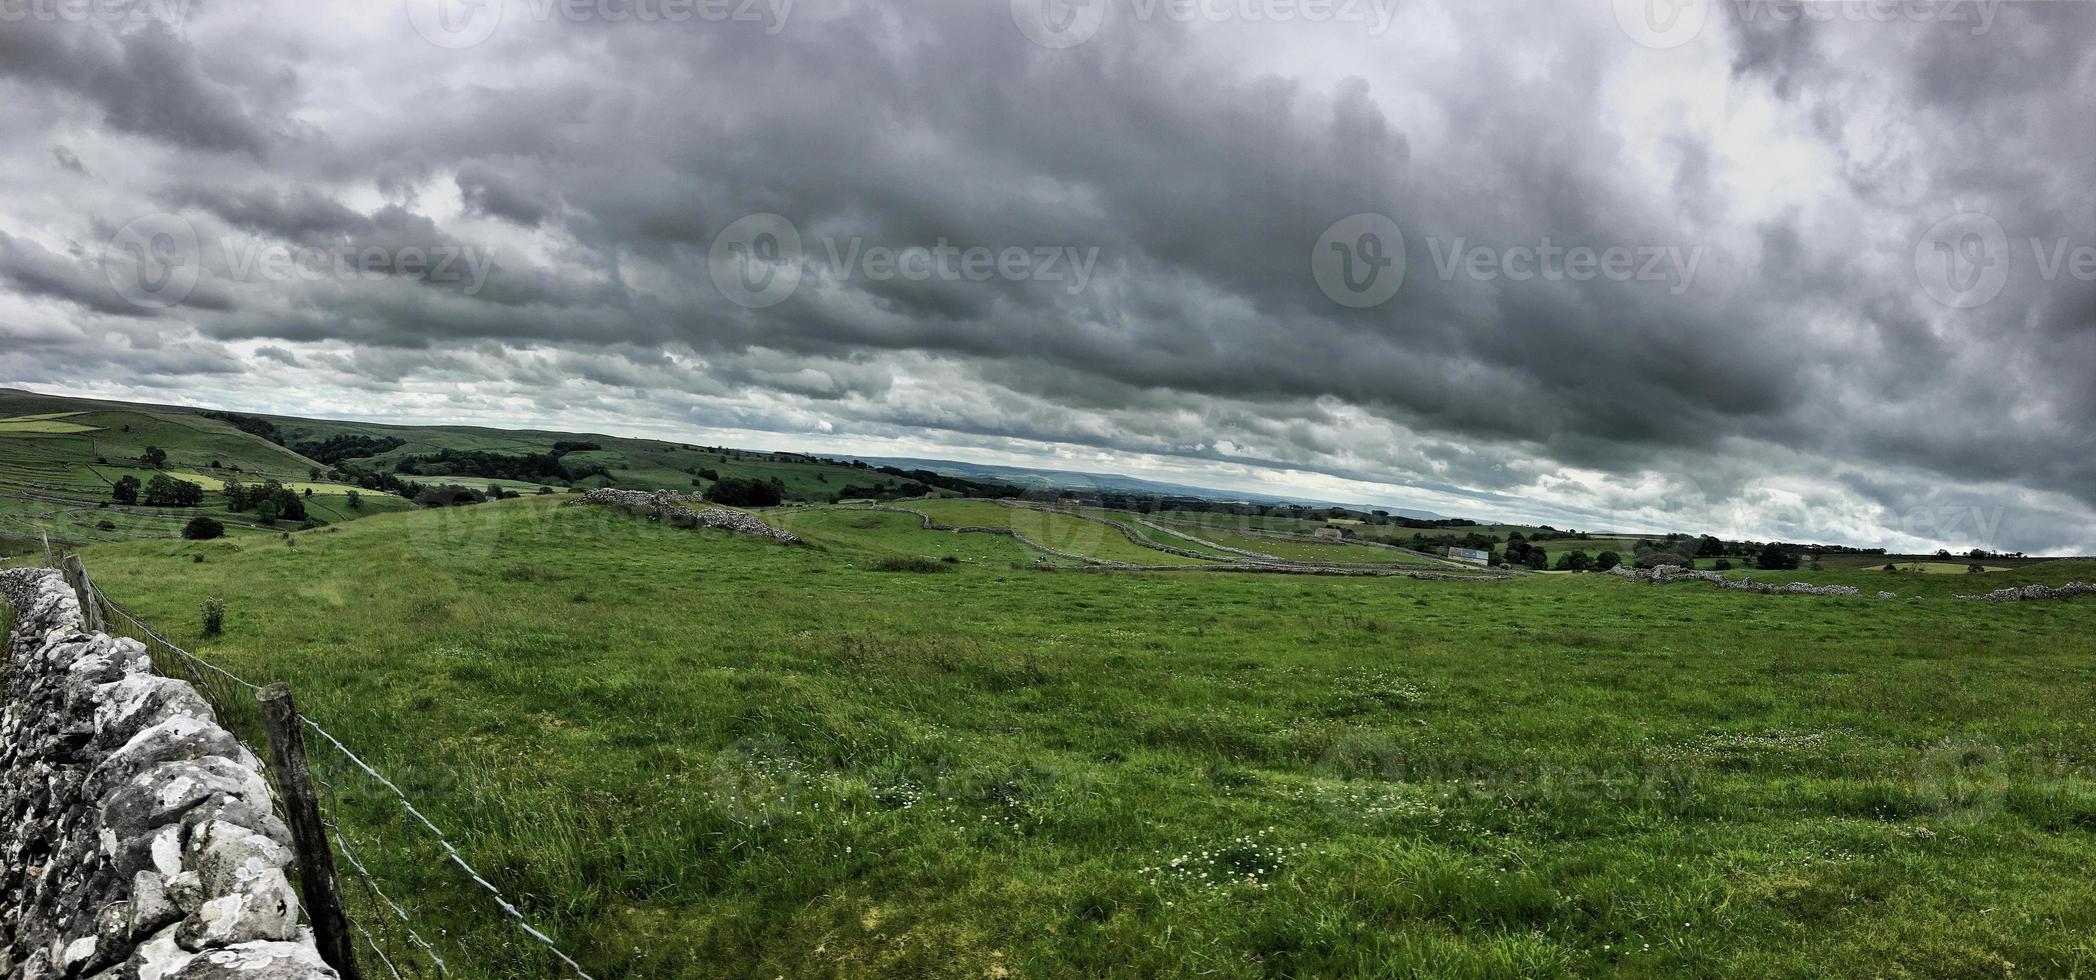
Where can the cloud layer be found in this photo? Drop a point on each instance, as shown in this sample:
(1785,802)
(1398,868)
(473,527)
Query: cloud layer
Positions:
(1696,280)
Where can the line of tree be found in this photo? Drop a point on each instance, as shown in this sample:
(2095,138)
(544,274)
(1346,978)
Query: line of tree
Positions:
(161,491)
(527,467)
(736,491)
(250,424)
(334,449)
(270,500)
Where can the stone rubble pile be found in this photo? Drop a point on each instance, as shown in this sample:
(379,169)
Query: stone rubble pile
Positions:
(668,506)
(2030,592)
(1675,573)
(140,841)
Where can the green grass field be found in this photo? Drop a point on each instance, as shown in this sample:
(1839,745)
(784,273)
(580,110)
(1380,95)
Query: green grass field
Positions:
(696,755)
(1128,520)
(887,534)
(1062,532)
(1303,549)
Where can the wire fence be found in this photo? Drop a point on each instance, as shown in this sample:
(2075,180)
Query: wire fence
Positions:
(417,906)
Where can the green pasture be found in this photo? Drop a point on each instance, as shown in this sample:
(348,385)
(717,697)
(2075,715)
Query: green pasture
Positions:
(689,754)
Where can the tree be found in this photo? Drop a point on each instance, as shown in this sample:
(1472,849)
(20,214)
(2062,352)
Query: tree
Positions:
(1607,560)
(356,500)
(1710,547)
(1773,558)
(1538,559)
(1975,568)
(268,510)
(1574,561)
(165,491)
(1721,565)
(126,490)
(203,529)
(155,457)
(736,491)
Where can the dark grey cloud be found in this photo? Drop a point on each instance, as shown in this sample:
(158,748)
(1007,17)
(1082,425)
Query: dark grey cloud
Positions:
(1802,380)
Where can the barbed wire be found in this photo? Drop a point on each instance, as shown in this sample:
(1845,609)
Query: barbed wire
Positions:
(195,665)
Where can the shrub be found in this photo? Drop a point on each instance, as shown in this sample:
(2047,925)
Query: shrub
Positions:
(1721,565)
(735,491)
(214,617)
(126,490)
(1607,560)
(105,525)
(1775,557)
(203,529)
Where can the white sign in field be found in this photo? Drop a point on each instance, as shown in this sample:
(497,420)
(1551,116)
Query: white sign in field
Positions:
(1470,557)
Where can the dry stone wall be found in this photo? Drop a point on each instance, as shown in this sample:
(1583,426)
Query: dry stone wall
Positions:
(669,507)
(140,840)
(2031,592)
(1676,573)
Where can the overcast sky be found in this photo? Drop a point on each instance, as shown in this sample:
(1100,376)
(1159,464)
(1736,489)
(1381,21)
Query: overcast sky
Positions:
(1819,273)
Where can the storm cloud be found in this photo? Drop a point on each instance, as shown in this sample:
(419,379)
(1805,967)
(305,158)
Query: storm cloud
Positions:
(1817,271)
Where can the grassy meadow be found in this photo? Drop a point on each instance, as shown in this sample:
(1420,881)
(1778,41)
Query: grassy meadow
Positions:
(689,754)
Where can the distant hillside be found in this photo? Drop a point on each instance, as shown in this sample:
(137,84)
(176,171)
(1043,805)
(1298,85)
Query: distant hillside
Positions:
(1074,480)
(62,458)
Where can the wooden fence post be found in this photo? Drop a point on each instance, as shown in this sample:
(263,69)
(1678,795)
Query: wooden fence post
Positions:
(84,590)
(316,861)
